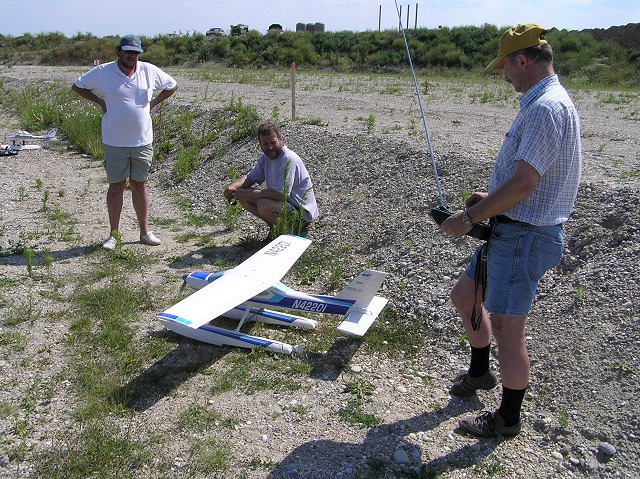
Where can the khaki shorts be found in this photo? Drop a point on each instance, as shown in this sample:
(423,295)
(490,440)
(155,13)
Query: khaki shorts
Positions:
(121,163)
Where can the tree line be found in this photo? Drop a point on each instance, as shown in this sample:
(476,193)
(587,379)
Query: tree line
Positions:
(578,55)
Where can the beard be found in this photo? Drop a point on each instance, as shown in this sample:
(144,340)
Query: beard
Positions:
(273,154)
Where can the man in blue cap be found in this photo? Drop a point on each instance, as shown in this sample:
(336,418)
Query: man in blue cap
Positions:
(127,86)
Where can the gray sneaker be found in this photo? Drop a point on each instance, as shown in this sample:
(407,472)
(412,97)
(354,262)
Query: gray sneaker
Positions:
(465,385)
(488,424)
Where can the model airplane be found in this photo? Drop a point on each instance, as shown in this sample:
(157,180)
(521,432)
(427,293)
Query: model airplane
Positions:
(7,150)
(245,291)
(22,137)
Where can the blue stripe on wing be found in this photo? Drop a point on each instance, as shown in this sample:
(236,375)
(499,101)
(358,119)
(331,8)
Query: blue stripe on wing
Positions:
(177,319)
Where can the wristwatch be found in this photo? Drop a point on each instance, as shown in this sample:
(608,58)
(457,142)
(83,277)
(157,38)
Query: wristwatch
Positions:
(466,219)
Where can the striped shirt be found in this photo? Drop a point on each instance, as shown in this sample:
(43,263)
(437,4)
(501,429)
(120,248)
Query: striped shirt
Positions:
(545,134)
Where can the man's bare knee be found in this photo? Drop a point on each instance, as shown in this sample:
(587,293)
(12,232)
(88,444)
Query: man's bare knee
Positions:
(463,292)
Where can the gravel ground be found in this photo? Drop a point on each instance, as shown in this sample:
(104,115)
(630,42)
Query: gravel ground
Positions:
(374,186)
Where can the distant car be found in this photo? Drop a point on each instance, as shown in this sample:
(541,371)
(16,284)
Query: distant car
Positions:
(216,32)
(239,29)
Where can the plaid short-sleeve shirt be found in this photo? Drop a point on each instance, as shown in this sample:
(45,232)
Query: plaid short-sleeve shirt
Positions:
(545,134)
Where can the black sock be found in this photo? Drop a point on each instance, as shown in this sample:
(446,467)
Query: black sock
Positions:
(510,405)
(479,361)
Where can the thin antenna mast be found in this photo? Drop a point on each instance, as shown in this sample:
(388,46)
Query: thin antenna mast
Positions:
(424,121)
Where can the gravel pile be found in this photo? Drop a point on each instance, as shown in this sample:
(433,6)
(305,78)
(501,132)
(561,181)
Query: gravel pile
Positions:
(374,188)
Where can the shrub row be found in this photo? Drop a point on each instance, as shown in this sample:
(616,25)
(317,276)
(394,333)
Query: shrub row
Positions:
(578,54)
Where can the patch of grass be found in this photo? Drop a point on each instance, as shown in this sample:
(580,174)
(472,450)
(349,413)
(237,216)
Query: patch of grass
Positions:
(7,409)
(62,226)
(187,162)
(13,340)
(255,464)
(232,214)
(245,121)
(631,174)
(97,450)
(260,370)
(210,455)
(22,193)
(21,312)
(618,99)
(371,123)
(187,237)
(352,413)
(198,418)
(393,336)
(491,467)
(15,247)
(105,350)
(624,367)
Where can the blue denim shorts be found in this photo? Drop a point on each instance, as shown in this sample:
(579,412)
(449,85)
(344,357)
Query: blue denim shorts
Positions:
(518,255)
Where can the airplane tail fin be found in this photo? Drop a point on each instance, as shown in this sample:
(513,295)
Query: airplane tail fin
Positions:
(367,306)
(52,134)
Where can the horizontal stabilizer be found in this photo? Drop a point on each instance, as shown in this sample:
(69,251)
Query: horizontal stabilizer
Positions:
(363,288)
(358,320)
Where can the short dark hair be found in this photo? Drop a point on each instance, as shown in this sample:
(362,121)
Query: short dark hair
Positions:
(540,53)
(267,128)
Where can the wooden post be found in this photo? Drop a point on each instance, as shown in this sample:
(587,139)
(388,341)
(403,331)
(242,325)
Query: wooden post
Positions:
(408,10)
(293,92)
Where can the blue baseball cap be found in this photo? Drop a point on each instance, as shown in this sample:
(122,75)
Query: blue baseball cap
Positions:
(131,42)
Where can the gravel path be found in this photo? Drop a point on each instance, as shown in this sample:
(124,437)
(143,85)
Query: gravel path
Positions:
(374,187)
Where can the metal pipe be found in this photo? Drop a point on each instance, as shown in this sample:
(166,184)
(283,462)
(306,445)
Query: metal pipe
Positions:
(408,14)
(424,121)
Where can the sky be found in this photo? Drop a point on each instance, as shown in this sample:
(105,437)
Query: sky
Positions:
(155,17)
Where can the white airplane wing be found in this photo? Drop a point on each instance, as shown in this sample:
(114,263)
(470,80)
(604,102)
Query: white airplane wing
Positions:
(261,271)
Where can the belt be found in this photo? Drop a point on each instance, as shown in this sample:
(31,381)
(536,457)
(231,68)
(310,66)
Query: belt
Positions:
(506,219)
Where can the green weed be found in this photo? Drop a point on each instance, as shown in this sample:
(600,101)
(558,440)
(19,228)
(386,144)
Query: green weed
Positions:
(371,123)
(624,367)
(187,162)
(232,214)
(13,340)
(563,416)
(352,413)
(197,418)
(22,193)
(491,467)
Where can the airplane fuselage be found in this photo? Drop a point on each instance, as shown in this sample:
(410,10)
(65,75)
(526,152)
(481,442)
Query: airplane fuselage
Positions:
(280,297)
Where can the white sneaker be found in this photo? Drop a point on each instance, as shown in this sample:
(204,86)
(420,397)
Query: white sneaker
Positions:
(150,239)
(110,243)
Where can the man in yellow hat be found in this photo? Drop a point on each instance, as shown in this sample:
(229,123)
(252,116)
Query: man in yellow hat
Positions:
(531,193)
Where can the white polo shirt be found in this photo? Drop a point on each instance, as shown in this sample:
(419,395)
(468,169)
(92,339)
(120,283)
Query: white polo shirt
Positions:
(127,121)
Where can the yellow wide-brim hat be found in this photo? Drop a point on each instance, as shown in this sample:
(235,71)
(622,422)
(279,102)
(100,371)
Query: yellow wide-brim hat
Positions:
(515,39)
